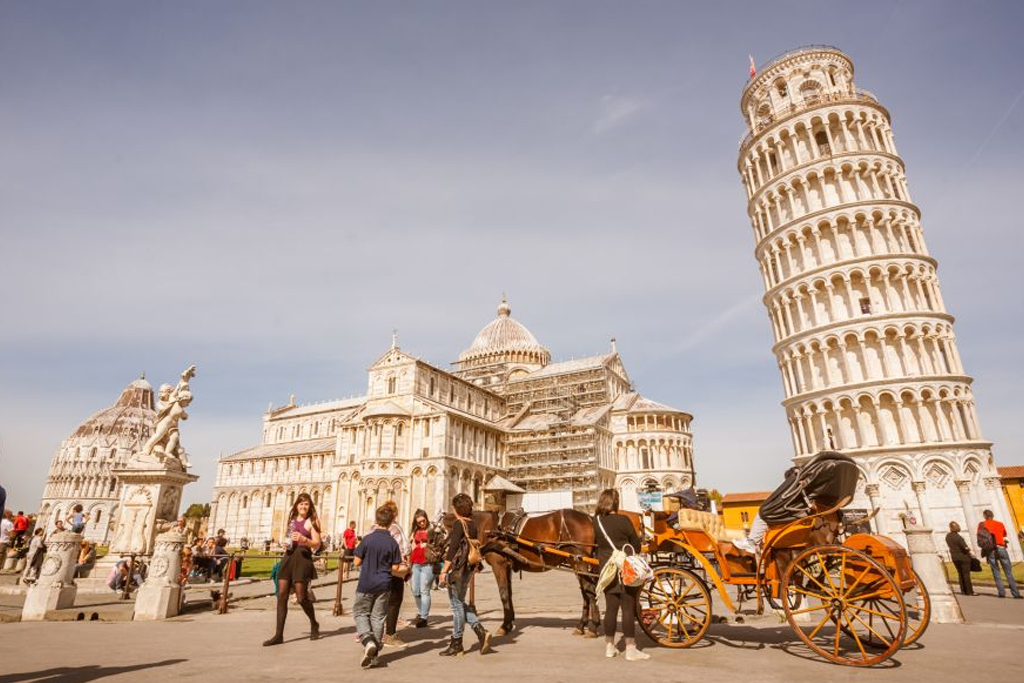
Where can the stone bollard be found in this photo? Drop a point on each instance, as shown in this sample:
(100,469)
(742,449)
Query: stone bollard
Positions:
(159,597)
(55,588)
(928,566)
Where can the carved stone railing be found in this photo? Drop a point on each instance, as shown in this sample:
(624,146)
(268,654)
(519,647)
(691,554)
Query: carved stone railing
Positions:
(794,108)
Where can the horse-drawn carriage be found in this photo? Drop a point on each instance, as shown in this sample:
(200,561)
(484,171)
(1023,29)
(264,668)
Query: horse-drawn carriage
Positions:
(854,600)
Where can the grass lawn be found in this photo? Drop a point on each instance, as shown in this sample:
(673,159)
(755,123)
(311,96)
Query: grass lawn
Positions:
(259,567)
(985,575)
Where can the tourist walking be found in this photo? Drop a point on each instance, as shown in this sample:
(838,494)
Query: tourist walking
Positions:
(456,574)
(378,556)
(297,571)
(992,541)
(961,556)
(422,559)
(612,532)
(397,580)
(349,539)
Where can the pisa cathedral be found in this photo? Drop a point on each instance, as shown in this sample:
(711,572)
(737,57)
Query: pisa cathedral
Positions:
(506,425)
(863,339)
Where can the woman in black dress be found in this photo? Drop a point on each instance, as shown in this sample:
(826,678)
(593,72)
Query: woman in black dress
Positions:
(612,532)
(960,554)
(297,570)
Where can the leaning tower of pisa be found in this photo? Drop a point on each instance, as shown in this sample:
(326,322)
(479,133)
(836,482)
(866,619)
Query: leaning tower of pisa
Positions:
(863,339)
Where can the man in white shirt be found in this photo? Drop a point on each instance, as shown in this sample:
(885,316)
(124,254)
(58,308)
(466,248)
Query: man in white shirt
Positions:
(6,532)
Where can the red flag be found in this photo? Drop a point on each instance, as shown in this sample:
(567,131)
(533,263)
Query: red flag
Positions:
(753,69)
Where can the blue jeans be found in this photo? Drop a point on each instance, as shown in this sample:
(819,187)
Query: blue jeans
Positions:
(1000,556)
(422,580)
(461,612)
(370,611)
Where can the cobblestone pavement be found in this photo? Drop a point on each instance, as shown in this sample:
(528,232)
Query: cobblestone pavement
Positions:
(227,647)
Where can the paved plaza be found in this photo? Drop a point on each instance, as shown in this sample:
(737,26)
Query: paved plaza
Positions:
(227,647)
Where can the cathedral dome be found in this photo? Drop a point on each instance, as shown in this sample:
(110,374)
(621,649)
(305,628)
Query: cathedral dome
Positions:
(132,416)
(505,336)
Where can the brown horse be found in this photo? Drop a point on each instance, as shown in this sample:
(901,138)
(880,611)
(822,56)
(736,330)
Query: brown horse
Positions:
(516,542)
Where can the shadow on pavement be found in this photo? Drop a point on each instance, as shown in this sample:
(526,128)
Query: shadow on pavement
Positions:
(81,674)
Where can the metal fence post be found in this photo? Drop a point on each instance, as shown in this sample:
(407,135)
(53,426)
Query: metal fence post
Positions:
(338,608)
(222,607)
(127,591)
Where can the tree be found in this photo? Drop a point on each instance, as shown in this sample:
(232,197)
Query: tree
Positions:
(198,511)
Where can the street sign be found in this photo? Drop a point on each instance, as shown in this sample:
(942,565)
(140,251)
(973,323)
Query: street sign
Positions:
(650,500)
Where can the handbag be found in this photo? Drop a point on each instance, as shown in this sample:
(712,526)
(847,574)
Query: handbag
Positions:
(474,556)
(633,570)
(975,564)
(431,553)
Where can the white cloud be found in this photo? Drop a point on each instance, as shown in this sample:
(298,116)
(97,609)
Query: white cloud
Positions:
(614,111)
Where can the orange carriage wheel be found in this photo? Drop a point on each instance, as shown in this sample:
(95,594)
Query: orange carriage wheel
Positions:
(854,608)
(674,607)
(919,611)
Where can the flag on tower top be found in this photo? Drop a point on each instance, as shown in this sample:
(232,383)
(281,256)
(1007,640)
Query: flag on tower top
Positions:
(753,69)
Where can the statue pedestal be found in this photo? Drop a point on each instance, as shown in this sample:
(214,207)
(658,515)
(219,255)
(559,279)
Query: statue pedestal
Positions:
(928,566)
(160,595)
(55,588)
(150,497)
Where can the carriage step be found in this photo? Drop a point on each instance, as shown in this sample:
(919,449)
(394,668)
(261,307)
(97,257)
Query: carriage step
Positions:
(742,575)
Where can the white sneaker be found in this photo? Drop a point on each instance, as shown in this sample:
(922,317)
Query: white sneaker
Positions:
(369,655)
(745,544)
(610,650)
(635,655)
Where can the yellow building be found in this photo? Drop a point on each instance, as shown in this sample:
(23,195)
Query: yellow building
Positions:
(739,509)
(1012,479)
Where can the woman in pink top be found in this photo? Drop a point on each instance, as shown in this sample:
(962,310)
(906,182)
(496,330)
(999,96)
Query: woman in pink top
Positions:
(296,570)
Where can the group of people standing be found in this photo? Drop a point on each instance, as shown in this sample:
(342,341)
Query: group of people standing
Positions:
(386,558)
(992,541)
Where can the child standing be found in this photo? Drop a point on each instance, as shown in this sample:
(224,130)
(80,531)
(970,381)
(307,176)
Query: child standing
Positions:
(377,556)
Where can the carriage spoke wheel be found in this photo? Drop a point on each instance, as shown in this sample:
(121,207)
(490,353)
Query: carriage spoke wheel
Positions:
(853,611)
(919,611)
(674,607)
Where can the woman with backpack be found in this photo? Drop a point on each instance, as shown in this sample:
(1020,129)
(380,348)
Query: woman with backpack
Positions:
(613,532)
(462,559)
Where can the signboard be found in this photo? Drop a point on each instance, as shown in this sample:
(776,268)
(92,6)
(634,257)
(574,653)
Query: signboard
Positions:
(852,514)
(650,500)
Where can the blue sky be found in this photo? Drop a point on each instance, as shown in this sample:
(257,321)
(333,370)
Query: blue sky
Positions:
(266,189)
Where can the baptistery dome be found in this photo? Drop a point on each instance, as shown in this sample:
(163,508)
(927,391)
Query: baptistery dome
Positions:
(82,470)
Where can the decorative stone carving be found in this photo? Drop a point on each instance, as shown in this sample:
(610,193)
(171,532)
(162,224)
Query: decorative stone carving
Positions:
(164,446)
(160,595)
(55,588)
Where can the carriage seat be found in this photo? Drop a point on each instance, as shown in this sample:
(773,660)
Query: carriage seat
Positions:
(698,520)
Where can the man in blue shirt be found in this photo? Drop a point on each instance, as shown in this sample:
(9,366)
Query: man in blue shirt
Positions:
(377,556)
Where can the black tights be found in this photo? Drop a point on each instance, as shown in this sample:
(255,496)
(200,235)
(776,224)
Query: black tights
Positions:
(395,595)
(627,602)
(284,590)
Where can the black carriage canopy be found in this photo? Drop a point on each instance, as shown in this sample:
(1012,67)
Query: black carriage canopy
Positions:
(826,479)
